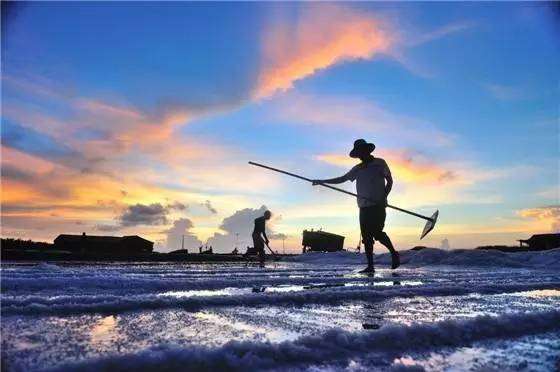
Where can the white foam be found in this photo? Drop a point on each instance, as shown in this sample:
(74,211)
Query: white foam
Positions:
(436,257)
(44,266)
(330,258)
(333,345)
(61,305)
(152,284)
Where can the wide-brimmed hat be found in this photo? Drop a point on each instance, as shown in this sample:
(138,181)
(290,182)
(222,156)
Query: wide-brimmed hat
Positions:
(359,145)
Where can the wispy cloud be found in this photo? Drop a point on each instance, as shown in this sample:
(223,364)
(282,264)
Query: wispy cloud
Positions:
(326,35)
(75,163)
(95,128)
(504,92)
(355,114)
(545,216)
(406,167)
(550,193)
(420,181)
(32,142)
(412,38)
(438,33)
(323,36)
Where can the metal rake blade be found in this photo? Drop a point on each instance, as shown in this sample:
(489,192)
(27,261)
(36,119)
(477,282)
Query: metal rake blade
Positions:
(430,224)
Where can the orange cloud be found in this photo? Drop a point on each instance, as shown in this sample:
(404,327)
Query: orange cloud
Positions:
(544,216)
(118,127)
(127,155)
(404,167)
(15,158)
(420,182)
(128,125)
(324,35)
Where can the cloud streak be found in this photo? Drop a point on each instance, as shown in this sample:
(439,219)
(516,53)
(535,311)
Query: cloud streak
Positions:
(350,113)
(324,35)
(546,216)
(420,181)
(504,92)
(406,167)
(438,33)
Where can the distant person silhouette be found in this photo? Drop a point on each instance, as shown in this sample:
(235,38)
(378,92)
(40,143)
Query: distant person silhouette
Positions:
(373,185)
(259,235)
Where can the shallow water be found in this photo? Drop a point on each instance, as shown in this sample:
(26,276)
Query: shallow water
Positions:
(301,316)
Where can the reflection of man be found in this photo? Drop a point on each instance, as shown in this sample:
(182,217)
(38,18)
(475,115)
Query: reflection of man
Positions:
(259,235)
(373,184)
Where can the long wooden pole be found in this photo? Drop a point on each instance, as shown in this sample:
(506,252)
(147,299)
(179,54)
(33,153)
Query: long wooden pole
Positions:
(270,249)
(337,189)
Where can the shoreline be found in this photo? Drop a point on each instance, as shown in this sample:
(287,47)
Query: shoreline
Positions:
(37,256)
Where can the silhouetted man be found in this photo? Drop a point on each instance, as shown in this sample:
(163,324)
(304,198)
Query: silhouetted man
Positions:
(372,190)
(259,235)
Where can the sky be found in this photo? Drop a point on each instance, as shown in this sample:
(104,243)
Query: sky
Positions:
(139,118)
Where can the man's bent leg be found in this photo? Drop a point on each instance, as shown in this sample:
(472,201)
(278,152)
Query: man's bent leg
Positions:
(379,235)
(384,239)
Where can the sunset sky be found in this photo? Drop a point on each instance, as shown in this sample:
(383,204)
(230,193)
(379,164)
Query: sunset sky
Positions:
(139,118)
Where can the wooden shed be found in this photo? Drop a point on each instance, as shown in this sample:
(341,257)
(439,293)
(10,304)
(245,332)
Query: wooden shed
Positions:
(541,242)
(93,245)
(321,241)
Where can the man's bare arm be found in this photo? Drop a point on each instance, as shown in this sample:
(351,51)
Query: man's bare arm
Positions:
(335,180)
(265,237)
(389,184)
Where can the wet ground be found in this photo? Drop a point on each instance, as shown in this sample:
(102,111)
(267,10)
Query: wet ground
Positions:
(296,316)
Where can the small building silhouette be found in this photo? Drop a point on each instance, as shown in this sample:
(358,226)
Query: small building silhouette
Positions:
(92,245)
(250,251)
(321,241)
(541,242)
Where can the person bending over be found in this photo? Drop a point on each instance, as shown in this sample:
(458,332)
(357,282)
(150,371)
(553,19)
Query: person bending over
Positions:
(259,235)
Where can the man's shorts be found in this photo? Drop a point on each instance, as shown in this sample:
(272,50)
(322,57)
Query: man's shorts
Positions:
(372,222)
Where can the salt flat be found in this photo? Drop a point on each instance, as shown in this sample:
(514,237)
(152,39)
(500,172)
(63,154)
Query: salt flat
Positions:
(459,310)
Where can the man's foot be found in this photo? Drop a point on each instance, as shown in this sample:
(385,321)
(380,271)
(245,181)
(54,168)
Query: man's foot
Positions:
(367,270)
(396,260)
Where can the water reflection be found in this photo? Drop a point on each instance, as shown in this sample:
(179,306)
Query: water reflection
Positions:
(206,292)
(103,330)
(287,288)
(375,314)
(252,330)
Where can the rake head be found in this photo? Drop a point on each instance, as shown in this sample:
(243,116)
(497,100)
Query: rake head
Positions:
(430,225)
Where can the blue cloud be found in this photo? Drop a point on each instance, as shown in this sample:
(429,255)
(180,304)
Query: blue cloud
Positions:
(35,143)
